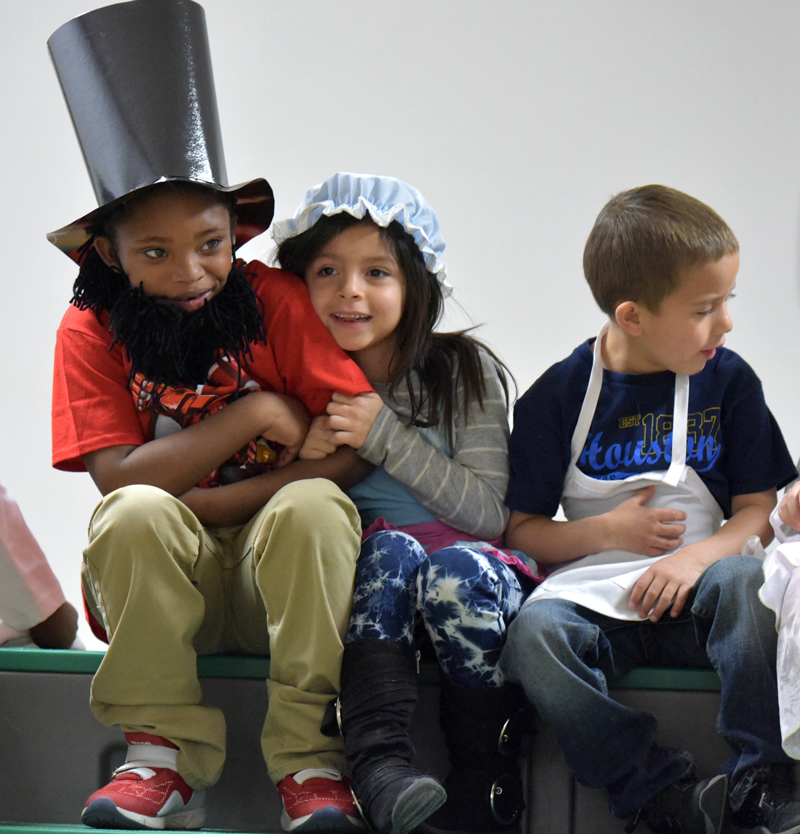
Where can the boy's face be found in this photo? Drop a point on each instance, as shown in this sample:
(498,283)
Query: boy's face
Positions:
(691,323)
(176,244)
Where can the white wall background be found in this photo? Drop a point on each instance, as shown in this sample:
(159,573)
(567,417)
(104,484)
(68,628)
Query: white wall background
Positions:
(517,119)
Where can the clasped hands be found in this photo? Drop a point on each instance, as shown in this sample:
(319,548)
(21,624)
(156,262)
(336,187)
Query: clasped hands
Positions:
(346,422)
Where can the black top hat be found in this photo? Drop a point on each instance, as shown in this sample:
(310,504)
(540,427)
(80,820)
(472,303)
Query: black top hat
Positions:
(138,83)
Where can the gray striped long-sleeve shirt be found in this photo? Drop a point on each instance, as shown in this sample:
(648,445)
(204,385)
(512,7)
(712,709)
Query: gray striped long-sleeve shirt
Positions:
(467,490)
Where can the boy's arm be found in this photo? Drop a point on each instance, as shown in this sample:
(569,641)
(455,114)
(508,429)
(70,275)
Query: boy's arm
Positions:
(177,462)
(310,363)
(237,503)
(669,581)
(631,526)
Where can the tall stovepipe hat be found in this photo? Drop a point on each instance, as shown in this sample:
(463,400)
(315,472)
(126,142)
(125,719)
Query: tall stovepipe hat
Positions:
(138,83)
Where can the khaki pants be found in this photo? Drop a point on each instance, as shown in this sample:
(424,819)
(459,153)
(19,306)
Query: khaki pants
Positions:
(166,589)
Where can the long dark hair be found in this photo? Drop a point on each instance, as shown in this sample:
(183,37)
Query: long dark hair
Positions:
(443,361)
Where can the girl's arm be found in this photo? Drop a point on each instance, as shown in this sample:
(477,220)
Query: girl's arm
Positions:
(466,491)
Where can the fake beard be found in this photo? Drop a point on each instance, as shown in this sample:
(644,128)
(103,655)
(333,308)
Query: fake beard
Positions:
(170,345)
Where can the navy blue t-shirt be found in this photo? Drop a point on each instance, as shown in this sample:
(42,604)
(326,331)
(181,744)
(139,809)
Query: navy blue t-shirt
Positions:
(734,443)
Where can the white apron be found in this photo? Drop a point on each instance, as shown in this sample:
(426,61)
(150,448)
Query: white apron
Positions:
(781,593)
(603,581)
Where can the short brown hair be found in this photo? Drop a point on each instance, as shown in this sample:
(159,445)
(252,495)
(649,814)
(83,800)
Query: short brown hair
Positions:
(644,238)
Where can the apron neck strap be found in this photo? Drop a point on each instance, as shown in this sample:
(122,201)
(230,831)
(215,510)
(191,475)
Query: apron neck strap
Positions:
(590,398)
(680,412)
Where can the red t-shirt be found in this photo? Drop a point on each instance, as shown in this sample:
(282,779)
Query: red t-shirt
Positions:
(93,407)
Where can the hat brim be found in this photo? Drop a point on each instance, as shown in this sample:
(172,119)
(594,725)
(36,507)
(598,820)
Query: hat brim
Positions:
(255,206)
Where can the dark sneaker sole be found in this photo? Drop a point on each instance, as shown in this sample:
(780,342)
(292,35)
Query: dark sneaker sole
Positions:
(103,813)
(416,804)
(328,820)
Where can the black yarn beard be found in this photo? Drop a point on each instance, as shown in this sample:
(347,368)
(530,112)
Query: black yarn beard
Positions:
(170,345)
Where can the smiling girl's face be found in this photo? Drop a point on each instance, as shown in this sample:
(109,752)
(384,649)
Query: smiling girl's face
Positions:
(176,244)
(358,290)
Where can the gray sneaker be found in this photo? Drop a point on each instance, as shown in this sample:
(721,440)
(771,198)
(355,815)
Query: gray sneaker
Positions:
(687,807)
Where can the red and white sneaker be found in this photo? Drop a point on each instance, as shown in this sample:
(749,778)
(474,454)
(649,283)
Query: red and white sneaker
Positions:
(147,791)
(319,800)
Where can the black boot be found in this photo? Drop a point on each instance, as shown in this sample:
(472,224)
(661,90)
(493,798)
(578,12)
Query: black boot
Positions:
(483,729)
(378,696)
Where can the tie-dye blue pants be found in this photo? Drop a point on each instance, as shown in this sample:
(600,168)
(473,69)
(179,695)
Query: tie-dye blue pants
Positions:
(465,597)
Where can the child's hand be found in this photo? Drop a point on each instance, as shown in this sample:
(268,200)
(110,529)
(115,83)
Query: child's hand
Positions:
(646,530)
(789,509)
(351,418)
(319,440)
(285,422)
(667,582)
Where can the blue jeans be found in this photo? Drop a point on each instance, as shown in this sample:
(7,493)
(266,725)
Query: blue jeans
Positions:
(466,599)
(564,655)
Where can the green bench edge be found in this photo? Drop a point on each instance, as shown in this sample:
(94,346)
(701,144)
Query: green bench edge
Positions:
(77,662)
(239,666)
